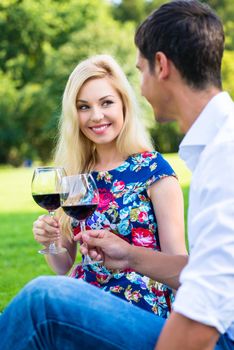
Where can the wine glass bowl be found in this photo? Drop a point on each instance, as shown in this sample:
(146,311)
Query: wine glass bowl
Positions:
(50,202)
(79,198)
(45,192)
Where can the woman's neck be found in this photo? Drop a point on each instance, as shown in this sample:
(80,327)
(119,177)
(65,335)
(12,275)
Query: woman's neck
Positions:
(108,158)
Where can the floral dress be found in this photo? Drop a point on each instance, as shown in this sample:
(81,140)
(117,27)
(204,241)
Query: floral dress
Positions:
(126,210)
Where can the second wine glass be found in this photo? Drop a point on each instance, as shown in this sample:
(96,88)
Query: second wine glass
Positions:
(79,199)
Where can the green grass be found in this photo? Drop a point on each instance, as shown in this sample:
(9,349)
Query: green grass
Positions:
(19,260)
(184,176)
(183,173)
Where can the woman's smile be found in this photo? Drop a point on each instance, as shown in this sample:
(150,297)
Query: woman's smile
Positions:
(100,129)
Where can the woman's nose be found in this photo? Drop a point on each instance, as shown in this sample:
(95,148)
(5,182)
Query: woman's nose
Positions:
(96,114)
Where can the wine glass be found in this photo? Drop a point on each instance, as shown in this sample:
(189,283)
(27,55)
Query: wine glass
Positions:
(79,198)
(45,191)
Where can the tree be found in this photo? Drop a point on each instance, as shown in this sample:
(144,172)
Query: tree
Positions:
(225,10)
(127,11)
(39,49)
(9,135)
(228,72)
(33,71)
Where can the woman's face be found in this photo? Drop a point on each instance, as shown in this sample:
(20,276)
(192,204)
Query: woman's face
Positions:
(100,111)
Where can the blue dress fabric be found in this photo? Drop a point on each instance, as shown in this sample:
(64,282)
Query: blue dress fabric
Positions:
(125,209)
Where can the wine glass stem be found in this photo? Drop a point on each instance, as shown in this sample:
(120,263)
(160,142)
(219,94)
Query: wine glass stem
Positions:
(83,228)
(82,225)
(87,260)
(52,245)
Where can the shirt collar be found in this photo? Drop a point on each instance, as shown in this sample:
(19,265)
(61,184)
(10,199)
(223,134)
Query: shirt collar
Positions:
(205,127)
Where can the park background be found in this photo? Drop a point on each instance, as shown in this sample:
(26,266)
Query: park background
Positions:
(41,42)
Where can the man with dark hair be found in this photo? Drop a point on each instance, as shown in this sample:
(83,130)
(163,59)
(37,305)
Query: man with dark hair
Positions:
(180,52)
(190,36)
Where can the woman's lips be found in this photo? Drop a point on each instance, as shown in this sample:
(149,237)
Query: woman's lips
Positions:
(99,129)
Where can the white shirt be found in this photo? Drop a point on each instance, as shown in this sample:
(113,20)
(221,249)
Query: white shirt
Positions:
(206,293)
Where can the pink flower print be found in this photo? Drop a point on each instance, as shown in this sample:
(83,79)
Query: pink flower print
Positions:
(119,186)
(105,198)
(147,155)
(157,292)
(116,289)
(143,216)
(132,296)
(95,197)
(102,278)
(77,272)
(104,175)
(143,198)
(143,238)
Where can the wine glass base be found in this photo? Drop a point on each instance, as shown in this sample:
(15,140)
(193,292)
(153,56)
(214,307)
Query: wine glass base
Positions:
(53,251)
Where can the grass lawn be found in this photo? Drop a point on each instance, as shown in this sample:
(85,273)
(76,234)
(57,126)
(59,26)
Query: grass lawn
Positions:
(19,259)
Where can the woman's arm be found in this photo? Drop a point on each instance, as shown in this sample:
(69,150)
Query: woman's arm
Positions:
(167,199)
(47,229)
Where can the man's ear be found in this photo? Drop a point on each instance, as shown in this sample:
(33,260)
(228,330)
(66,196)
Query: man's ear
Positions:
(162,65)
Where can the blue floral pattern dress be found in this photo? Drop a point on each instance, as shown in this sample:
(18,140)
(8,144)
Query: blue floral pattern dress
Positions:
(126,210)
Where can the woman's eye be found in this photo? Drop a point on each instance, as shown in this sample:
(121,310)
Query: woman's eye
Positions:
(107,103)
(82,107)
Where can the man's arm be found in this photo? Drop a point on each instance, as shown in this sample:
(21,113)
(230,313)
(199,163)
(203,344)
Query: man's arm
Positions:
(182,333)
(162,267)
(118,254)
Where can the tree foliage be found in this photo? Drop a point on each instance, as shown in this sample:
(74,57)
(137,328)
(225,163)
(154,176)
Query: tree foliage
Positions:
(41,41)
(38,51)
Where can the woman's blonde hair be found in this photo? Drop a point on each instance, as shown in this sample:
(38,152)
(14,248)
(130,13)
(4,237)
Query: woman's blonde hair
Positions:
(74,151)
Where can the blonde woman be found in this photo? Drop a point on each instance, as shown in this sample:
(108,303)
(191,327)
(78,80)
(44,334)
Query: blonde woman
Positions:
(140,198)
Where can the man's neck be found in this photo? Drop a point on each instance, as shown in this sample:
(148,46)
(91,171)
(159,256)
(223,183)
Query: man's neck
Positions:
(191,103)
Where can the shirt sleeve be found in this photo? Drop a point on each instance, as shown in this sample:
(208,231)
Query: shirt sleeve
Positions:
(206,294)
(156,169)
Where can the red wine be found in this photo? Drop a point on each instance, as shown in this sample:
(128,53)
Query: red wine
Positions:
(79,212)
(50,201)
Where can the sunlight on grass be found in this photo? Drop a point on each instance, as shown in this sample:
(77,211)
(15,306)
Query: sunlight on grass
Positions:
(15,186)
(183,173)
(15,189)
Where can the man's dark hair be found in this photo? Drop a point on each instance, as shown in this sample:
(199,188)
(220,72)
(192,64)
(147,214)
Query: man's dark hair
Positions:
(191,35)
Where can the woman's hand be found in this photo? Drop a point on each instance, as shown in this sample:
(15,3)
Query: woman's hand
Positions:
(46,230)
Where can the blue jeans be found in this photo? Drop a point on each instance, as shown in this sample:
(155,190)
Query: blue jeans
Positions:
(67,314)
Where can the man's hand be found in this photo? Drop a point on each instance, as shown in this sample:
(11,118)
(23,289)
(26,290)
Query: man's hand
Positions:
(106,246)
